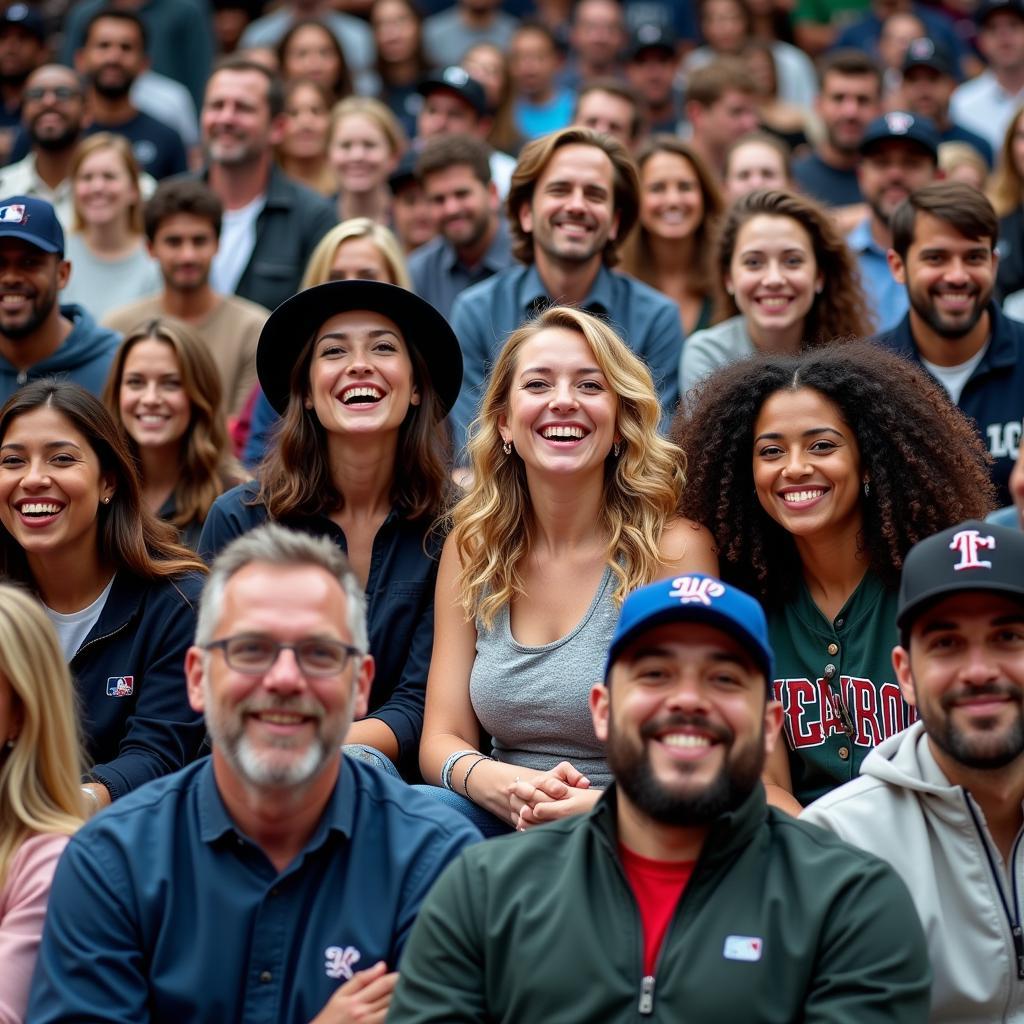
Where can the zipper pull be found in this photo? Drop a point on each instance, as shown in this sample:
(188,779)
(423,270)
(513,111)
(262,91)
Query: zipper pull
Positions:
(646,1006)
(1018,948)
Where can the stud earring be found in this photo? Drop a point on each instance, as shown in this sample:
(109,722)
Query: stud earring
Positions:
(818,289)
(616,448)
(507,447)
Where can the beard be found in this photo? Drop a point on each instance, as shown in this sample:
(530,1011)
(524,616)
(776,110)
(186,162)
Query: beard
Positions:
(736,780)
(926,310)
(979,748)
(112,88)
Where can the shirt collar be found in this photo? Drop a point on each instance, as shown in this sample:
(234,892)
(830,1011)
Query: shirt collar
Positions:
(861,240)
(339,814)
(496,257)
(534,298)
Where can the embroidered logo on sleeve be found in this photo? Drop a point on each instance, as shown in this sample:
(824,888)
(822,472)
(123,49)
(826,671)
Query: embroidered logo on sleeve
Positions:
(338,961)
(120,686)
(743,947)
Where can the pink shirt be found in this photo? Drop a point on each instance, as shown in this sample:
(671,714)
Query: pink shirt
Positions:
(22,911)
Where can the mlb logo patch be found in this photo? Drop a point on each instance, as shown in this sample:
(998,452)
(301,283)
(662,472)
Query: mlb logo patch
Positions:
(13,214)
(743,947)
(120,686)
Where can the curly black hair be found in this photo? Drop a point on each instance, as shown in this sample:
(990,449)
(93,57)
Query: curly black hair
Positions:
(927,466)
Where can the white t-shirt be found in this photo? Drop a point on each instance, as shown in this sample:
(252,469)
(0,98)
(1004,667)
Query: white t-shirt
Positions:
(74,627)
(237,239)
(953,378)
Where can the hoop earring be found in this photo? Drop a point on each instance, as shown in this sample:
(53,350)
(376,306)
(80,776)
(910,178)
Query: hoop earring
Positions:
(507,447)
(867,488)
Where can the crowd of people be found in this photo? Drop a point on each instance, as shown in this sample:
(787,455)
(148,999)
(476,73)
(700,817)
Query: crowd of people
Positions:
(511,511)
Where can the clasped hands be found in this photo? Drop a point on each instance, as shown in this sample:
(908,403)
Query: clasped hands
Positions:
(550,795)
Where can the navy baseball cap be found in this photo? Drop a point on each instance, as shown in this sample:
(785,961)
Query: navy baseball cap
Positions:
(987,8)
(926,53)
(903,127)
(695,598)
(33,220)
(457,80)
(404,172)
(28,19)
(971,556)
(652,36)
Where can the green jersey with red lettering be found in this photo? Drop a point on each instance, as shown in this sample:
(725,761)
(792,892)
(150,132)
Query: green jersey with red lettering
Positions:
(836,684)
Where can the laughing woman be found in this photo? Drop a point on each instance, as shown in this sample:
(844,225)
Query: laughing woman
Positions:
(363,374)
(572,506)
(118,588)
(816,474)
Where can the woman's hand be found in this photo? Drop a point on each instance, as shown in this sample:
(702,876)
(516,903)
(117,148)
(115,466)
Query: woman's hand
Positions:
(558,793)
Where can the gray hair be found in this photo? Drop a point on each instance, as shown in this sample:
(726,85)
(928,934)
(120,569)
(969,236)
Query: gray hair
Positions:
(271,544)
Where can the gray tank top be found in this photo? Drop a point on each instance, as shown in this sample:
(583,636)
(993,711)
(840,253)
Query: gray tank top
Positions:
(534,701)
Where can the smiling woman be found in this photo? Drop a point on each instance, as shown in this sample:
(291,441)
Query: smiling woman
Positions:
(363,374)
(115,583)
(816,474)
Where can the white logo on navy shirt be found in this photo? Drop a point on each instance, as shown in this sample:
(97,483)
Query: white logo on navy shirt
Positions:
(968,543)
(690,590)
(338,961)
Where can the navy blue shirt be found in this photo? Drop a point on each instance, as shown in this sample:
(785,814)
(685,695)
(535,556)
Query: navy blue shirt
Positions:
(163,910)
(157,147)
(399,603)
(833,186)
(488,313)
(993,396)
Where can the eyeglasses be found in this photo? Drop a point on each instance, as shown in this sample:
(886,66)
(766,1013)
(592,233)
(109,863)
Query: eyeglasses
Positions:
(63,93)
(254,655)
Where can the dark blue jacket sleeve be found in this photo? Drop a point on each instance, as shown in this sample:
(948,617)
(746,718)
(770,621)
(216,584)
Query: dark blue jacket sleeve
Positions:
(662,348)
(469,321)
(163,733)
(229,517)
(90,965)
(264,419)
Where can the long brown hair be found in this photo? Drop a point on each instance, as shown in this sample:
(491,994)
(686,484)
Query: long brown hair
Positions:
(1007,188)
(208,466)
(129,535)
(840,310)
(295,475)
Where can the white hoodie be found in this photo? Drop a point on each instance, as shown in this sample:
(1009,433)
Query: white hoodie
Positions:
(903,809)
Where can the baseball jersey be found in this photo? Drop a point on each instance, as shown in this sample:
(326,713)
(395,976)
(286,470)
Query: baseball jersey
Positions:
(836,684)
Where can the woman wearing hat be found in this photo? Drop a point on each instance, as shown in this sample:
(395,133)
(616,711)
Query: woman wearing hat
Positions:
(363,374)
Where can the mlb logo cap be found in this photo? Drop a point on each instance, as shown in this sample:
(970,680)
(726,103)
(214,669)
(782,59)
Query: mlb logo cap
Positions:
(971,556)
(694,598)
(903,127)
(34,221)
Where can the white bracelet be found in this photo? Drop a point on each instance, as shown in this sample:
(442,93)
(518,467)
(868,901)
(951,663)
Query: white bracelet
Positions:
(449,765)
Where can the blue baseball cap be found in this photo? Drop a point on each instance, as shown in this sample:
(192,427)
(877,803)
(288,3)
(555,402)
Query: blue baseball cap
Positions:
(695,598)
(901,126)
(33,220)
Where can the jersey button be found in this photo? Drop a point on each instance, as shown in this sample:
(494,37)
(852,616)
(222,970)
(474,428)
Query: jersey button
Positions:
(266,977)
(839,623)
(833,649)
(830,671)
(844,753)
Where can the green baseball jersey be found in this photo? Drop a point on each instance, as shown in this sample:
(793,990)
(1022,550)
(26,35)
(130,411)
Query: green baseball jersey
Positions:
(836,684)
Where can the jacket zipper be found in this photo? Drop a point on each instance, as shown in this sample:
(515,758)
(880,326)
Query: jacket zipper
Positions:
(98,639)
(1013,918)
(646,1006)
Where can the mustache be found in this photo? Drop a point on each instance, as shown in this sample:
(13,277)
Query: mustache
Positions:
(993,689)
(298,706)
(715,730)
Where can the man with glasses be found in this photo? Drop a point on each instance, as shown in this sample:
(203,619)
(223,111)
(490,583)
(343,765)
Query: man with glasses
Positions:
(277,879)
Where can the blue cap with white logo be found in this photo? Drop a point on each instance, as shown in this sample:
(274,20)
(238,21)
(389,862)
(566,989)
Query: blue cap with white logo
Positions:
(33,220)
(695,598)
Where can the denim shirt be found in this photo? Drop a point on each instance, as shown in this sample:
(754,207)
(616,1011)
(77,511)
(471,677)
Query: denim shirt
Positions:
(164,911)
(399,602)
(489,312)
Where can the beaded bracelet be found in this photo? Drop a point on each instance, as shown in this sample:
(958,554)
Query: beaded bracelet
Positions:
(449,765)
(465,781)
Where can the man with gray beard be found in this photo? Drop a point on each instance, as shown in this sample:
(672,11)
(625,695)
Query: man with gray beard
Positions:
(942,800)
(277,879)
(682,895)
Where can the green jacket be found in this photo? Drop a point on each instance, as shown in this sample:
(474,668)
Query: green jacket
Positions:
(780,922)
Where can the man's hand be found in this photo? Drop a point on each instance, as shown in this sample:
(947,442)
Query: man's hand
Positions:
(363,999)
(558,793)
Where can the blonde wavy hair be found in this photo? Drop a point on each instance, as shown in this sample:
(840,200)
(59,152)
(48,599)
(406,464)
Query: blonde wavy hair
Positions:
(492,525)
(40,778)
(318,269)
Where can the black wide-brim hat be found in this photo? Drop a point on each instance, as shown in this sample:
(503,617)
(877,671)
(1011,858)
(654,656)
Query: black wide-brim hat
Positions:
(292,324)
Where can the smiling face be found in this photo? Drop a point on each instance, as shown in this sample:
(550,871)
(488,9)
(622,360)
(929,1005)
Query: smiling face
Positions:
(52,107)
(361,378)
(236,124)
(103,189)
(754,165)
(184,245)
(306,123)
(561,411)
(51,485)
(311,54)
(359,154)
(464,206)
(281,728)
(155,409)
(29,282)
(965,674)
(890,171)
(671,201)
(572,212)
(773,276)
(686,722)
(806,465)
(395,29)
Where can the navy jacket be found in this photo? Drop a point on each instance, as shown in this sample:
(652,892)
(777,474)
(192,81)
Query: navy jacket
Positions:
(399,603)
(163,911)
(130,677)
(993,397)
